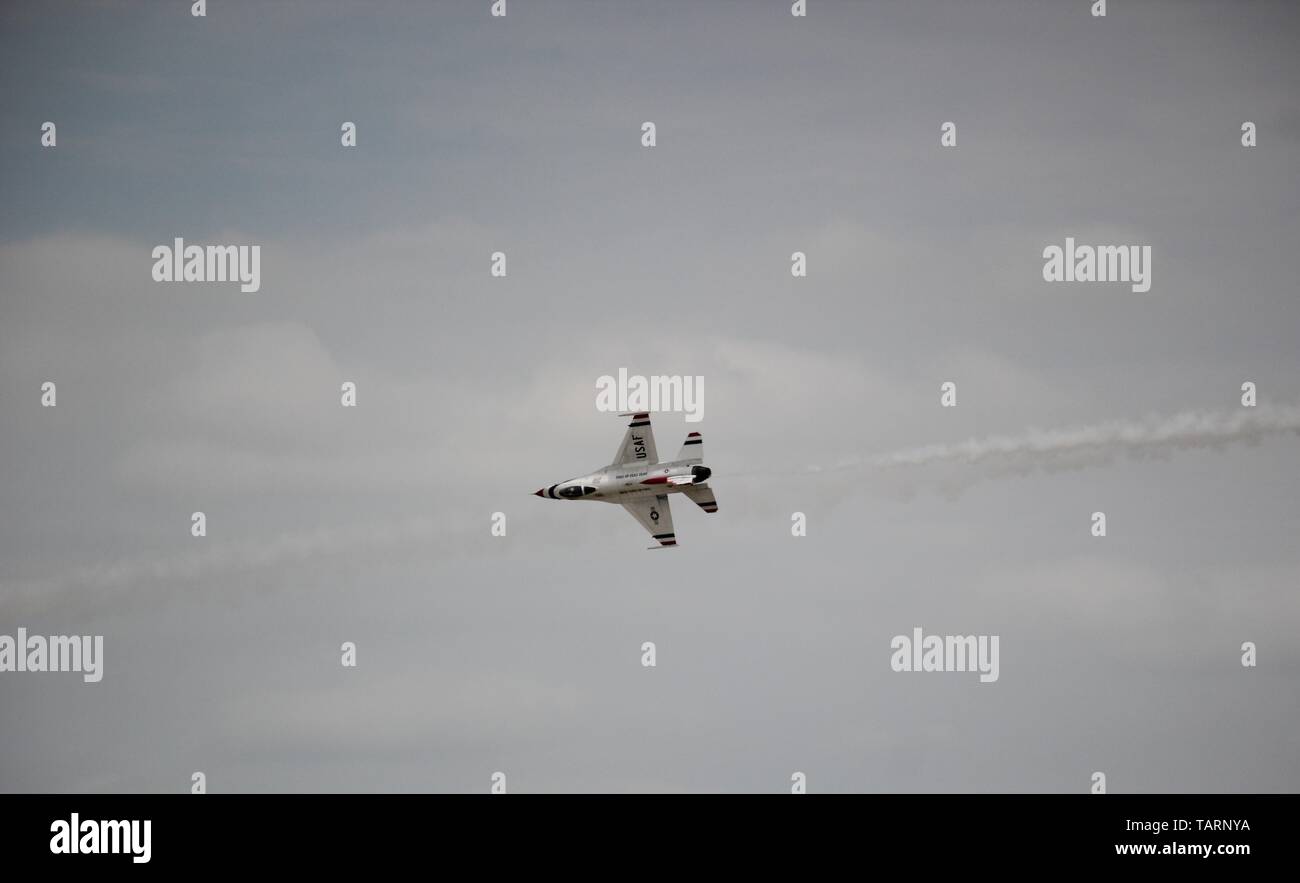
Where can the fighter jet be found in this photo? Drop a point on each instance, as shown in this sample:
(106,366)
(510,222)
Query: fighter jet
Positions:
(638,482)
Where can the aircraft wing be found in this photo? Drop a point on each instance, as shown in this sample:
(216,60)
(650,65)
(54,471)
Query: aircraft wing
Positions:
(638,445)
(654,515)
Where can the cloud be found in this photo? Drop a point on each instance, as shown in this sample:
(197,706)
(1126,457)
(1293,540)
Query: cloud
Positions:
(385,716)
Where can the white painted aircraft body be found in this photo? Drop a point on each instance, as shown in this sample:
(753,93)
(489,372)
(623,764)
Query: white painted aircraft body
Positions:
(641,484)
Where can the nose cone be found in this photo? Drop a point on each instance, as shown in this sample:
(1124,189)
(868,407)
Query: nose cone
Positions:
(539,492)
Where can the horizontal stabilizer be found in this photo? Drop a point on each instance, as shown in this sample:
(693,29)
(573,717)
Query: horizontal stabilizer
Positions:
(702,494)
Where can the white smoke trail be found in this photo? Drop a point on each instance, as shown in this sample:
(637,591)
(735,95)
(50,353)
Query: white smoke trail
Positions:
(113,584)
(1073,447)
(1084,445)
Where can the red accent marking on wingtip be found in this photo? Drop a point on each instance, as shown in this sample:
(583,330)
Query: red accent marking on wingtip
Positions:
(693,435)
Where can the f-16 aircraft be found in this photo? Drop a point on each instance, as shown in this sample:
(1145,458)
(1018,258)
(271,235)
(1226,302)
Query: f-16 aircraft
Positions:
(638,482)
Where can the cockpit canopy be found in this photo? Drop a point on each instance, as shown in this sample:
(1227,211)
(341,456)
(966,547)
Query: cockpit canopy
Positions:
(574,491)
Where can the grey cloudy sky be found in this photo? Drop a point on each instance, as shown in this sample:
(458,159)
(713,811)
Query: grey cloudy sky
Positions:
(522,653)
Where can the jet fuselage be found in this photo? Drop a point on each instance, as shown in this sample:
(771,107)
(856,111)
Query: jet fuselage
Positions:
(624,481)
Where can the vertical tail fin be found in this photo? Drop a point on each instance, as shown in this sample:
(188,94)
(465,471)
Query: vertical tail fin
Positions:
(692,448)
